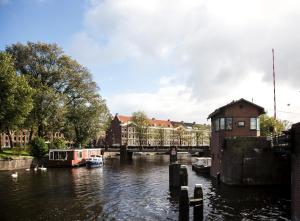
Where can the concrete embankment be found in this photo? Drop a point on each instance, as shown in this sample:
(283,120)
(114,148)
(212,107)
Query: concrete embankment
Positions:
(20,163)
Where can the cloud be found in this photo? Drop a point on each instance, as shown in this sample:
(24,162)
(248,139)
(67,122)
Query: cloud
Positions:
(212,45)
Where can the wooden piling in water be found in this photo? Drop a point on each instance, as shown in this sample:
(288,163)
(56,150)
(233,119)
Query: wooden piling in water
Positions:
(198,207)
(183,175)
(184,204)
(174,180)
(173,154)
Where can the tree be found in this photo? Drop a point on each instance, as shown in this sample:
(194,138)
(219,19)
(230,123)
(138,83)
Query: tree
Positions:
(87,112)
(142,123)
(43,66)
(180,135)
(38,147)
(58,143)
(66,98)
(161,136)
(201,133)
(270,125)
(15,96)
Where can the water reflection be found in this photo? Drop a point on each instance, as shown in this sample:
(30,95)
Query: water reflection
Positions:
(135,190)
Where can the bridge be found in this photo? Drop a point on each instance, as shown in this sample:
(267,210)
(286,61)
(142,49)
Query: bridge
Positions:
(126,152)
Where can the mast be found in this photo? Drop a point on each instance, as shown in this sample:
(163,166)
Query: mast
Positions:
(274,85)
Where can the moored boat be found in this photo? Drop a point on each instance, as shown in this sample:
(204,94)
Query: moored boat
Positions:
(202,165)
(94,161)
(70,157)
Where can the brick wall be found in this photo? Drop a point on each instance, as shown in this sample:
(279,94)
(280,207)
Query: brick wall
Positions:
(238,112)
(251,161)
(296,172)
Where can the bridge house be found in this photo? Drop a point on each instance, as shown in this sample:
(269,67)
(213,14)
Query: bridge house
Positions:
(158,133)
(237,119)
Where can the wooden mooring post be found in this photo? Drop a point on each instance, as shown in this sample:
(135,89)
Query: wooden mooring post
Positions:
(173,155)
(185,202)
(178,175)
(125,154)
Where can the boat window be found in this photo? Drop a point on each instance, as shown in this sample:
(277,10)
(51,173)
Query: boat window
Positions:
(58,155)
(79,154)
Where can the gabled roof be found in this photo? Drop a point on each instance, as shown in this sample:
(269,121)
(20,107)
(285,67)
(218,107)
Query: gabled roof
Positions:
(161,123)
(153,122)
(123,119)
(221,109)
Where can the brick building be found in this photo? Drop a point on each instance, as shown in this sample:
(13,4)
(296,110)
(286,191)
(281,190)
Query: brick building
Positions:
(21,138)
(159,133)
(237,119)
(295,140)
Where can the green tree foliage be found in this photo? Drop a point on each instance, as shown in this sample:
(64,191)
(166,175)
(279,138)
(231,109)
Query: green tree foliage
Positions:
(270,125)
(202,134)
(38,147)
(87,112)
(58,143)
(142,123)
(15,96)
(66,98)
(42,65)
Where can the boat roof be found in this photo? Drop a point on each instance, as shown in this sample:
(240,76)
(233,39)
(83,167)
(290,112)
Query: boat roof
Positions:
(62,150)
(203,158)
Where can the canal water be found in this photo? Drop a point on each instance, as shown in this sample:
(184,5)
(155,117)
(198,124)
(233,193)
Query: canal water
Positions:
(136,190)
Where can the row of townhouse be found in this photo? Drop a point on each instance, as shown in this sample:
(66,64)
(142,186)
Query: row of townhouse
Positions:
(21,138)
(159,133)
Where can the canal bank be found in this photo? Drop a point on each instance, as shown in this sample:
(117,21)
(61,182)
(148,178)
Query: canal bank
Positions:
(134,190)
(17,163)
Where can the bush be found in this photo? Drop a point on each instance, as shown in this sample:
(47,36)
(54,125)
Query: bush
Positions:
(58,143)
(38,147)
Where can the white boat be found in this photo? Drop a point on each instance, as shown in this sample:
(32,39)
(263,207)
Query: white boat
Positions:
(202,165)
(94,161)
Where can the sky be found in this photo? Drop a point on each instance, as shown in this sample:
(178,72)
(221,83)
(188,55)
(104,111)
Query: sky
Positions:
(173,59)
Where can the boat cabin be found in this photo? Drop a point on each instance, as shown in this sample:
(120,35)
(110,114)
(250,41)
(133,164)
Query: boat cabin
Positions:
(71,157)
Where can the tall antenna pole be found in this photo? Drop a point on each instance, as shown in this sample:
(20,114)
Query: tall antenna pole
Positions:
(274,85)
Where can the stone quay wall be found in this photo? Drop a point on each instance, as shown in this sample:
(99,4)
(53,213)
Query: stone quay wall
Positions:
(295,143)
(252,161)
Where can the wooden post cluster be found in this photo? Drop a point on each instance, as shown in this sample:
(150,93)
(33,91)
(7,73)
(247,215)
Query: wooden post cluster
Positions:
(185,202)
(178,175)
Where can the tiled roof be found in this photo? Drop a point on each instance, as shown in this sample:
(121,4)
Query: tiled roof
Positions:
(220,109)
(153,122)
(162,123)
(124,119)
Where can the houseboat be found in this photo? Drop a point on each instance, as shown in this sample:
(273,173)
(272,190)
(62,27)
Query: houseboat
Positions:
(71,157)
(202,165)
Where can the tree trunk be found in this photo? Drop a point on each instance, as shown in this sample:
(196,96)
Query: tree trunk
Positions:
(10,138)
(0,142)
(31,133)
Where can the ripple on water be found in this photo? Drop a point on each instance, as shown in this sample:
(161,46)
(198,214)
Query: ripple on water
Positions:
(136,190)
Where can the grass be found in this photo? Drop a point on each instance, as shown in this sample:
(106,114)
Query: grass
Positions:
(14,153)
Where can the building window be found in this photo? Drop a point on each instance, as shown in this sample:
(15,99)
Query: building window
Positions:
(241,124)
(222,123)
(254,123)
(228,123)
(217,128)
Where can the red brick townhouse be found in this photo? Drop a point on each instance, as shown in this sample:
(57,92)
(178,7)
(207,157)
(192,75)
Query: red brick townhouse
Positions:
(237,119)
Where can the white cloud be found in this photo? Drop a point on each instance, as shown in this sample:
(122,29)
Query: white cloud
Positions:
(216,48)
